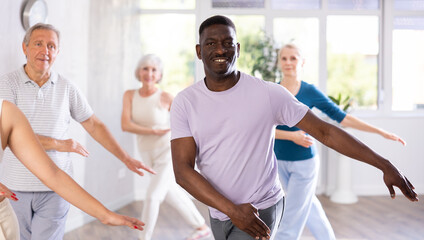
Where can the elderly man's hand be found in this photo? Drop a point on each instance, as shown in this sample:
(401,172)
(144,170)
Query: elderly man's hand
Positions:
(135,165)
(70,145)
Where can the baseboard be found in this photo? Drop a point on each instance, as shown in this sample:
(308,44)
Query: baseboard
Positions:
(374,190)
(382,190)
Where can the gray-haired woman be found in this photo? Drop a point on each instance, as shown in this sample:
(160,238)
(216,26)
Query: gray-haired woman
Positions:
(146,113)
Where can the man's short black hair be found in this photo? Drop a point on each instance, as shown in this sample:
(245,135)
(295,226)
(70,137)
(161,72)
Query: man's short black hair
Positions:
(217,19)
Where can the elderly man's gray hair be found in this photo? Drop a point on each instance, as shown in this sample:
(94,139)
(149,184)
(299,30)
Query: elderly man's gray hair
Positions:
(40,26)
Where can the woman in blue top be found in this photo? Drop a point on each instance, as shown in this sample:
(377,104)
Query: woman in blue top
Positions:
(298,164)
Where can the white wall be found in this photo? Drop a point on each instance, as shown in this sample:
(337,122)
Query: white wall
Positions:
(99,51)
(11,35)
(114,50)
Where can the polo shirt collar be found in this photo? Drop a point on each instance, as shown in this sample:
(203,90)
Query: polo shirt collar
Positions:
(53,76)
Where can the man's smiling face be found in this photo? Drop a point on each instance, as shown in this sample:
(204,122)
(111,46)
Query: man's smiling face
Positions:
(218,49)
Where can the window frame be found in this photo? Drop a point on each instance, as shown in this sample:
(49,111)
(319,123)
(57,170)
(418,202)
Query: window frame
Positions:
(387,24)
(321,14)
(386,14)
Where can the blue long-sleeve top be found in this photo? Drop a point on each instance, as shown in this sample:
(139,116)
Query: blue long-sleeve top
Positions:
(312,97)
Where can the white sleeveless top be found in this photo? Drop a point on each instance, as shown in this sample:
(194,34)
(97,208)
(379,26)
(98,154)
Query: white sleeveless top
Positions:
(1,148)
(147,112)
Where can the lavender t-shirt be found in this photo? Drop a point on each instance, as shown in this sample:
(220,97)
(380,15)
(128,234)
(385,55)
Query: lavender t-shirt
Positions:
(234,134)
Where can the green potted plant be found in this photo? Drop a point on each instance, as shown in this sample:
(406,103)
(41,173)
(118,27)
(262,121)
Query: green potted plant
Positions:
(264,57)
(344,103)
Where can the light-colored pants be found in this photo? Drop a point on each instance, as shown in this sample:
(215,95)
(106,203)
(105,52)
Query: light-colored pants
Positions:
(299,180)
(9,226)
(41,215)
(163,187)
(226,230)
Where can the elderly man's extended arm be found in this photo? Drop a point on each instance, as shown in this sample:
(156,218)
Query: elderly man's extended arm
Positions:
(244,216)
(98,130)
(344,143)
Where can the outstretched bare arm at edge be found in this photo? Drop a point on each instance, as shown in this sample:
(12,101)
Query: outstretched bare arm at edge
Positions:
(17,133)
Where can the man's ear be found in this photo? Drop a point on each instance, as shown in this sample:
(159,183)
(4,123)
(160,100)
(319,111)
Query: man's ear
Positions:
(24,48)
(198,52)
(238,50)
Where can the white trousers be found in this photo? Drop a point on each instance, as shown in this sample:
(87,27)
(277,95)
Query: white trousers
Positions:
(9,226)
(299,180)
(163,187)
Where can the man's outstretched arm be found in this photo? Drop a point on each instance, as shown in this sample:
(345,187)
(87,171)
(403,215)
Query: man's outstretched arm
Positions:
(244,216)
(346,144)
(98,130)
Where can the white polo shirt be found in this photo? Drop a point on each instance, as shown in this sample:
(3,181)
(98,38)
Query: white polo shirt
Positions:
(49,109)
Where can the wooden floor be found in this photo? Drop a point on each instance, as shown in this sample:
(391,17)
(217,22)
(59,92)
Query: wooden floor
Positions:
(372,218)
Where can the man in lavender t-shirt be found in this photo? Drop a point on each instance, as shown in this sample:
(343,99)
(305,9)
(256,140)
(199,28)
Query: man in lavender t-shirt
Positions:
(225,124)
(233,130)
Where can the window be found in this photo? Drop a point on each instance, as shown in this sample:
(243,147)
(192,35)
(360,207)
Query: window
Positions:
(304,33)
(295,4)
(167,4)
(408,64)
(238,3)
(411,5)
(341,40)
(249,28)
(352,53)
(170,35)
(353,4)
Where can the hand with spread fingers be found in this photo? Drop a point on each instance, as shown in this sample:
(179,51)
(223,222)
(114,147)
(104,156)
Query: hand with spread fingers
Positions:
(70,145)
(135,165)
(62,145)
